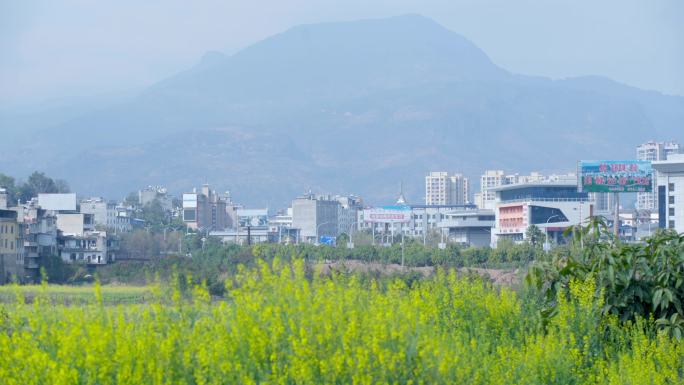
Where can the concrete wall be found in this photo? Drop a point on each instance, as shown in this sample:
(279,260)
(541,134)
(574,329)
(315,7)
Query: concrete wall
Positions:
(70,224)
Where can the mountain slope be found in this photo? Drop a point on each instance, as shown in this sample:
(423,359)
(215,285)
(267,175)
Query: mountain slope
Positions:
(348,107)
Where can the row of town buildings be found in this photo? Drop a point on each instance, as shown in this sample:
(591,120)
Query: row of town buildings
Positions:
(86,230)
(53,225)
(507,206)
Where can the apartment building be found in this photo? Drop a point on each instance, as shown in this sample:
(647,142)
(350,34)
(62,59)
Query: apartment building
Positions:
(11,248)
(654,152)
(491,179)
(205,209)
(670,192)
(444,189)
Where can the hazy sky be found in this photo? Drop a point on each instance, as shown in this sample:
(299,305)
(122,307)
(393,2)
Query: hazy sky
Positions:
(55,49)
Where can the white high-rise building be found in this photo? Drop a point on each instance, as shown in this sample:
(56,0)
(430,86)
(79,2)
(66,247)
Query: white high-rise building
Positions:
(489,180)
(604,203)
(670,192)
(485,199)
(653,151)
(444,189)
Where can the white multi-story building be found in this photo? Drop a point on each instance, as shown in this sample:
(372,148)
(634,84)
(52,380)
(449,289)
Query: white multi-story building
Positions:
(491,179)
(437,188)
(314,216)
(444,189)
(422,219)
(552,204)
(604,203)
(670,192)
(654,151)
(109,215)
(3,199)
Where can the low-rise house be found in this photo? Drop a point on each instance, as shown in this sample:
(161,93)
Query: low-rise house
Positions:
(108,214)
(11,248)
(468,227)
(92,248)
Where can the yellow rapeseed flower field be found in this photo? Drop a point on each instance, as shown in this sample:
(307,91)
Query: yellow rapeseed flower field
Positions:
(277,326)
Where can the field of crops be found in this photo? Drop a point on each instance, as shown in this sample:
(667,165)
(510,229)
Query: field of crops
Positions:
(278,326)
(75,295)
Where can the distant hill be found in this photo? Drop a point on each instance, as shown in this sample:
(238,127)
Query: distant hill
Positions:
(353,107)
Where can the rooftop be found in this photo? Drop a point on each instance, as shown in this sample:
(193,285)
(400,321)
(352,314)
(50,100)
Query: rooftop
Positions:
(674,163)
(569,182)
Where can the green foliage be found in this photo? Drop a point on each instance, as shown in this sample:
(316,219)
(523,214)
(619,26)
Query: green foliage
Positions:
(146,244)
(8,183)
(534,235)
(415,254)
(37,183)
(636,280)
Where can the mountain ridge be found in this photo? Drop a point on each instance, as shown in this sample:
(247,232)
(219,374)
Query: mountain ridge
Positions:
(350,107)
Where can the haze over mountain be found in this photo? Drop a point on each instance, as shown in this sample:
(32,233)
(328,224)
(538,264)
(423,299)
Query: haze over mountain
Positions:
(353,107)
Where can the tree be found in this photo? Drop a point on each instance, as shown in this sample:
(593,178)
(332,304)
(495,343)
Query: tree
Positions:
(154,214)
(132,199)
(634,281)
(7,182)
(37,183)
(534,235)
(62,186)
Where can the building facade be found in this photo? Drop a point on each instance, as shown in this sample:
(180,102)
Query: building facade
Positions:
(421,221)
(108,214)
(469,228)
(11,248)
(315,216)
(91,248)
(205,210)
(670,192)
(444,189)
(491,179)
(3,199)
(603,203)
(552,205)
(654,152)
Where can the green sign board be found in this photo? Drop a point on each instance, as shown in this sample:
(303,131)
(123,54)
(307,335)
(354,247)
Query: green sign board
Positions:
(615,176)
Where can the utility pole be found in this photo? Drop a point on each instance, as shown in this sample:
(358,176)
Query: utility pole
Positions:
(616,223)
(402,245)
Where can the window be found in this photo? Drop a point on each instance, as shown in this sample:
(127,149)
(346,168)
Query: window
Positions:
(671,212)
(670,199)
(670,186)
(671,225)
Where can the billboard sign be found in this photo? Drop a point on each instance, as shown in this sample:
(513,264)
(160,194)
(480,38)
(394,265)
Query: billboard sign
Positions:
(615,176)
(387,214)
(252,217)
